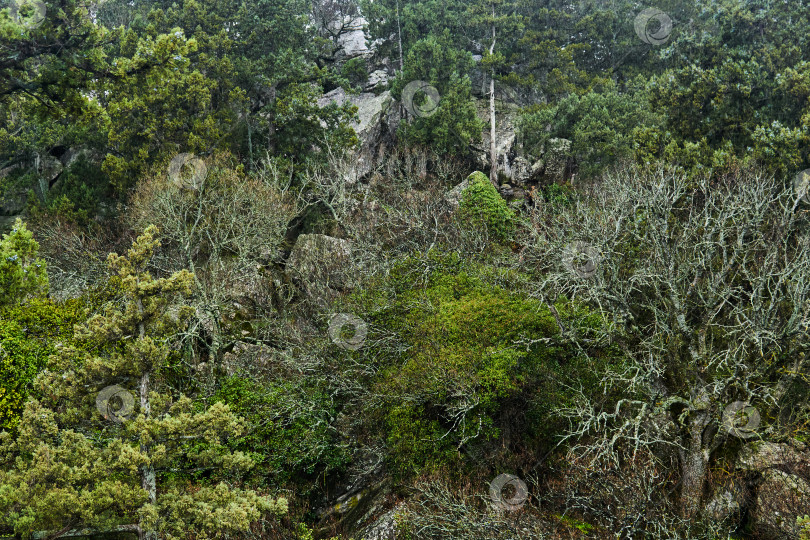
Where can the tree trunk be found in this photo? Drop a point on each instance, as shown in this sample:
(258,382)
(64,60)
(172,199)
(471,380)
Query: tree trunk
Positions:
(694,465)
(148,481)
(399,36)
(493,152)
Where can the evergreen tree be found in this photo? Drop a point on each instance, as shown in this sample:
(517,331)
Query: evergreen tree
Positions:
(88,456)
(454,124)
(22,273)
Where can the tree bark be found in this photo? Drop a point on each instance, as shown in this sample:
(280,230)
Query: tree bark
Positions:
(493,152)
(694,465)
(399,36)
(148,481)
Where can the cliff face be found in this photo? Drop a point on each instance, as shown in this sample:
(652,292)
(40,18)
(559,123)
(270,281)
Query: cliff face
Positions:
(380,115)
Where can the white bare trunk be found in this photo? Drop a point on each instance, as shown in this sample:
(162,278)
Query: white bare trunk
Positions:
(399,36)
(493,152)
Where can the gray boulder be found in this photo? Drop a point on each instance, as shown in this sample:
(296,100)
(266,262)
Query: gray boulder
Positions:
(761,455)
(377,80)
(781,499)
(374,126)
(777,472)
(727,503)
(556,156)
(453,197)
(322,263)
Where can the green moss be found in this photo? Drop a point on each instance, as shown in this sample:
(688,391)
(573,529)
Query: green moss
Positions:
(583,526)
(482,206)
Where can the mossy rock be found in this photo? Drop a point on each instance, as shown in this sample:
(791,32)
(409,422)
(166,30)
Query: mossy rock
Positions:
(482,206)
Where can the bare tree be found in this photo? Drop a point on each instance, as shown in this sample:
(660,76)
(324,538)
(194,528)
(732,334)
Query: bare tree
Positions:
(225,228)
(705,287)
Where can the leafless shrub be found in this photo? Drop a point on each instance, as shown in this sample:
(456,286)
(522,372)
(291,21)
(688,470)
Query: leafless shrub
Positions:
(227,231)
(76,257)
(438,511)
(628,498)
(401,209)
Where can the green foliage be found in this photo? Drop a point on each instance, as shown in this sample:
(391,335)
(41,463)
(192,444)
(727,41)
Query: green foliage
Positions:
(300,123)
(454,123)
(20,360)
(289,434)
(559,195)
(69,466)
(29,333)
(355,71)
(482,206)
(804,523)
(470,346)
(744,84)
(22,274)
(600,127)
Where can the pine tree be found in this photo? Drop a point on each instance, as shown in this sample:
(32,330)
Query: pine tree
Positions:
(22,273)
(90,455)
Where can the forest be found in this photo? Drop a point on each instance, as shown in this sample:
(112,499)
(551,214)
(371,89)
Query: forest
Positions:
(404,269)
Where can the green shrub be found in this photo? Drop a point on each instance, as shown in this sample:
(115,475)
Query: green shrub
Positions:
(22,273)
(482,206)
(28,336)
(355,71)
(471,352)
(804,523)
(454,123)
(290,433)
(600,126)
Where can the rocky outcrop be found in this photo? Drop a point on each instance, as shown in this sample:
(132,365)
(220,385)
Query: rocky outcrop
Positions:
(552,164)
(727,503)
(384,527)
(453,197)
(377,81)
(761,455)
(363,512)
(781,483)
(376,124)
(354,42)
(772,490)
(320,264)
(781,499)
(379,116)
(48,168)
